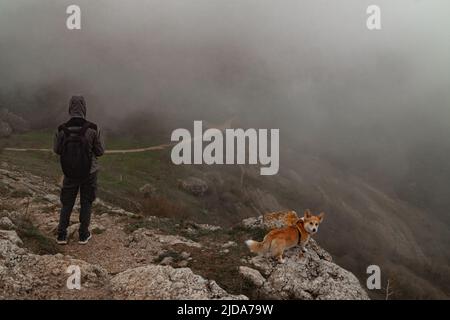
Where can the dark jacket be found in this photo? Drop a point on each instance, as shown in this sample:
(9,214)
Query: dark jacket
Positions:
(77,111)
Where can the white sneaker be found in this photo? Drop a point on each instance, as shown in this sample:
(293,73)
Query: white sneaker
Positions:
(85,240)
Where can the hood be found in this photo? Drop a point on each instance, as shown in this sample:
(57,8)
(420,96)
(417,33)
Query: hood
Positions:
(77,107)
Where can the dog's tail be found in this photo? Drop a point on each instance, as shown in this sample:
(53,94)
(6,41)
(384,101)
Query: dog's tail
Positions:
(258,247)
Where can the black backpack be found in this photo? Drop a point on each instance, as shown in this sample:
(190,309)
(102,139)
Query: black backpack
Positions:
(76,156)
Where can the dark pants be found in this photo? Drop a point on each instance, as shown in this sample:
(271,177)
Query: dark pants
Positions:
(69,192)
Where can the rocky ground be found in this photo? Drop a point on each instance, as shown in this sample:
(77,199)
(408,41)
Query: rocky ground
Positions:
(137,257)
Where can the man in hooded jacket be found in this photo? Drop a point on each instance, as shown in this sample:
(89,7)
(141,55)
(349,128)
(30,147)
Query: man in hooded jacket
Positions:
(86,186)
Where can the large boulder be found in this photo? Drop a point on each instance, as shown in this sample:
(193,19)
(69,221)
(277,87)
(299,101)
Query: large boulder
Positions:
(156,244)
(307,277)
(166,283)
(11,236)
(24,275)
(6,224)
(17,123)
(148,190)
(194,186)
(5,129)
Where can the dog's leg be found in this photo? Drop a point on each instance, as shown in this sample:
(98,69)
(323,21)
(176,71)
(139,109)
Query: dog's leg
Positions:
(281,259)
(303,246)
(277,250)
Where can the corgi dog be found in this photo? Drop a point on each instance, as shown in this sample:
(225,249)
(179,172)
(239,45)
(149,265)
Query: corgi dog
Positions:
(280,219)
(279,240)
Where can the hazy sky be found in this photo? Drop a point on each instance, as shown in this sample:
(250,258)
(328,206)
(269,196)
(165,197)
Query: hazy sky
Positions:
(308,67)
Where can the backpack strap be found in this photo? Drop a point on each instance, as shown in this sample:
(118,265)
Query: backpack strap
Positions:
(93,126)
(81,132)
(85,128)
(65,129)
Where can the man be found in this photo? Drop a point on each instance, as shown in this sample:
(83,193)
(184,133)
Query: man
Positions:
(78,142)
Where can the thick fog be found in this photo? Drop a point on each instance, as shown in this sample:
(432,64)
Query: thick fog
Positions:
(371,106)
(310,68)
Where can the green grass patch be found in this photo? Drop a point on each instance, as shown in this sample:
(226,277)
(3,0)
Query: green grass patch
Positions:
(20,194)
(97,231)
(32,139)
(34,239)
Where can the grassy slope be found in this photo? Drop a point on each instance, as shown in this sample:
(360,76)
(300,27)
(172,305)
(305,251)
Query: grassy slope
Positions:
(122,175)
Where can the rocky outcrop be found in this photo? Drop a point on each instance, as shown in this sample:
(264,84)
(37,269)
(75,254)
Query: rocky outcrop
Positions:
(305,276)
(156,244)
(165,282)
(27,275)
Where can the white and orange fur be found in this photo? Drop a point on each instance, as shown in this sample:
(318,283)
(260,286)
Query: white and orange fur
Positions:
(279,240)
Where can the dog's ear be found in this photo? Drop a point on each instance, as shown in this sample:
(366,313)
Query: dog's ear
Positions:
(307,214)
(321,216)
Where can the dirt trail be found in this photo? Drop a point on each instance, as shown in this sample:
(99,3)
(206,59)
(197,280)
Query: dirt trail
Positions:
(152,148)
(107,249)
(221,127)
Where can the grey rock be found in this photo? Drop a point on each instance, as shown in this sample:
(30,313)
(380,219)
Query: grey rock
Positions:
(6,223)
(147,190)
(229,244)
(207,227)
(194,186)
(72,230)
(17,123)
(52,198)
(164,283)
(183,264)
(24,275)
(97,228)
(253,222)
(5,129)
(11,235)
(167,261)
(185,255)
(307,276)
(252,275)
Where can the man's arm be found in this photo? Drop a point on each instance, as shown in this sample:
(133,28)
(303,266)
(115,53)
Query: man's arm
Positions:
(99,144)
(57,142)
